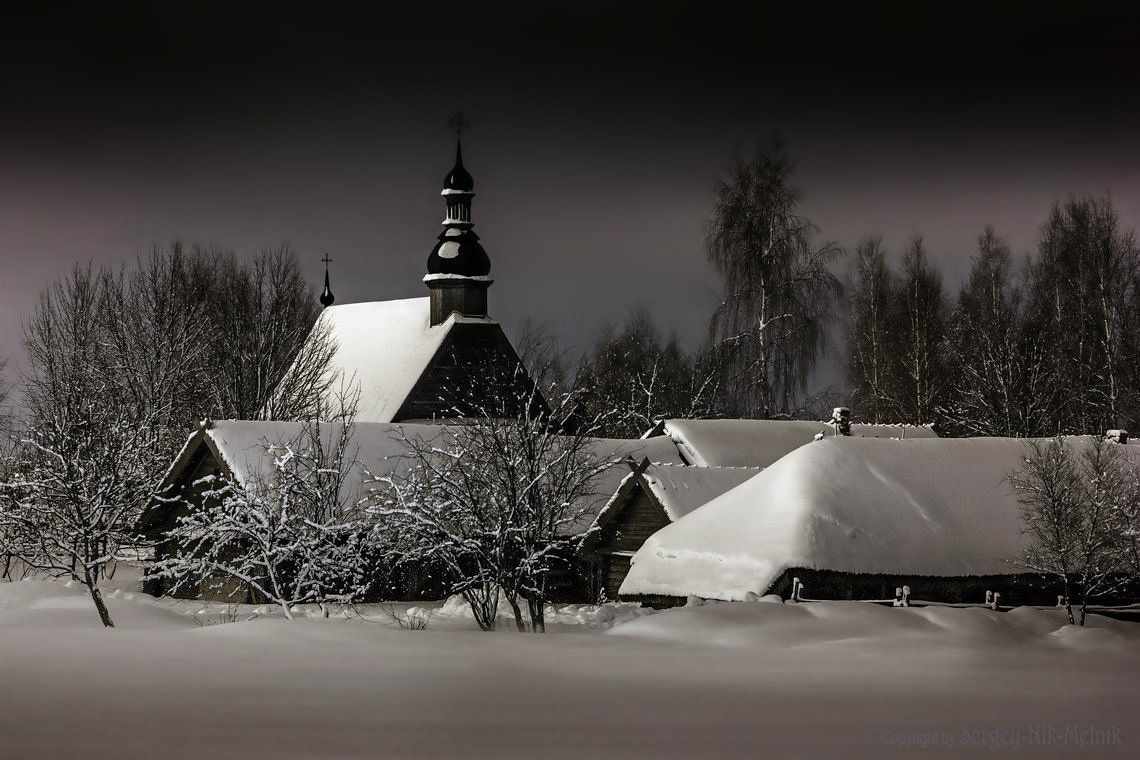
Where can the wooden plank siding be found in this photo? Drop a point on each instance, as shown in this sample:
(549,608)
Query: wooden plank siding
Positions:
(637,518)
(468,350)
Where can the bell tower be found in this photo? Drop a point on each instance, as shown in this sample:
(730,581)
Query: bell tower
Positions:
(458,267)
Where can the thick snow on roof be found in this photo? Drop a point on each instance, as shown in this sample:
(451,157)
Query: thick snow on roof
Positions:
(759,443)
(245,446)
(384,347)
(682,489)
(936,507)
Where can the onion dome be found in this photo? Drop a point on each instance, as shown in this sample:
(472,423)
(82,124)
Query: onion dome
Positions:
(458,251)
(459,179)
(327,296)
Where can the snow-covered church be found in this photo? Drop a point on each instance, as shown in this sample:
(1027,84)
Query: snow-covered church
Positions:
(403,355)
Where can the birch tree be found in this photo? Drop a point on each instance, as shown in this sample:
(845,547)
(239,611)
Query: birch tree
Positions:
(871,296)
(919,326)
(1004,383)
(1082,299)
(1078,512)
(778,286)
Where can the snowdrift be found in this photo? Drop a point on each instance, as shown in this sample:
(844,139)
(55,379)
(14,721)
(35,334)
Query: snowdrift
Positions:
(859,627)
(933,507)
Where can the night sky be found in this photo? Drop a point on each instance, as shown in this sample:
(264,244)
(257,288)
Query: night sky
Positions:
(598,137)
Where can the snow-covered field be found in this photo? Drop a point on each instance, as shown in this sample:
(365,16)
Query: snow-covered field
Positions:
(836,679)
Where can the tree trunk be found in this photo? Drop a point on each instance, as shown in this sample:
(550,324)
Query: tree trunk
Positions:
(100,605)
(520,624)
(537,614)
(1068,605)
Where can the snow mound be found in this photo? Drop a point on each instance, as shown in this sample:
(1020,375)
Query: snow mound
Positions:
(591,616)
(46,604)
(933,507)
(860,626)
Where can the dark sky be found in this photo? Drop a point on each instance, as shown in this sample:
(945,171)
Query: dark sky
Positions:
(598,138)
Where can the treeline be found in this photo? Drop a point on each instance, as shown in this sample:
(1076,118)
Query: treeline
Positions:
(1038,345)
(120,362)
(1041,346)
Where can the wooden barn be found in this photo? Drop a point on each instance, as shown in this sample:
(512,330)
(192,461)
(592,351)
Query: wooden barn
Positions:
(854,518)
(242,452)
(650,497)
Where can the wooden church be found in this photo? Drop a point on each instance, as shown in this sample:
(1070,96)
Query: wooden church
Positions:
(408,357)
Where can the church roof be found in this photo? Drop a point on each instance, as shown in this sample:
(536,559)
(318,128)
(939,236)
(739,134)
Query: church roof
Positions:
(383,348)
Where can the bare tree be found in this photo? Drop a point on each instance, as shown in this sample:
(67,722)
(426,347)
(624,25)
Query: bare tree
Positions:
(78,485)
(500,501)
(268,353)
(869,352)
(294,536)
(632,379)
(919,326)
(1079,516)
(778,286)
(1082,297)
(1003,381)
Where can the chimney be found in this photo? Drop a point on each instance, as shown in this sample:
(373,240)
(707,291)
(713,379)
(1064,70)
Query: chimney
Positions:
(1117,436)
(841,420)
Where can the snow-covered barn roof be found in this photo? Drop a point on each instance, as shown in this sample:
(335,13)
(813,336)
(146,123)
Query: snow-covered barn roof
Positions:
(383,347)
(679,489)
(759,443)
(247,449)
(938,507)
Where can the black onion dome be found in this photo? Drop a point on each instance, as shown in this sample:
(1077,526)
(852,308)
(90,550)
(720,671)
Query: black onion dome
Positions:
(458,252)
(458,178)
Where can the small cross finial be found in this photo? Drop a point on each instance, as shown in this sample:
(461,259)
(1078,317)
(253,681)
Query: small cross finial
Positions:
(327,261)
(459,122)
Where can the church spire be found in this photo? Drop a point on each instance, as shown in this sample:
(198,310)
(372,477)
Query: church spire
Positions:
(327,296)
(458,266)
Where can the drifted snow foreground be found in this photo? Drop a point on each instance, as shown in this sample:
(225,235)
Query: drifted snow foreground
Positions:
(729,680)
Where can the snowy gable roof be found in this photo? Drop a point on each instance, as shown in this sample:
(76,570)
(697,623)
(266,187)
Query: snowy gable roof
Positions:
(248,450)
(759,443)
(680,490)
(383,347)
(936,507)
